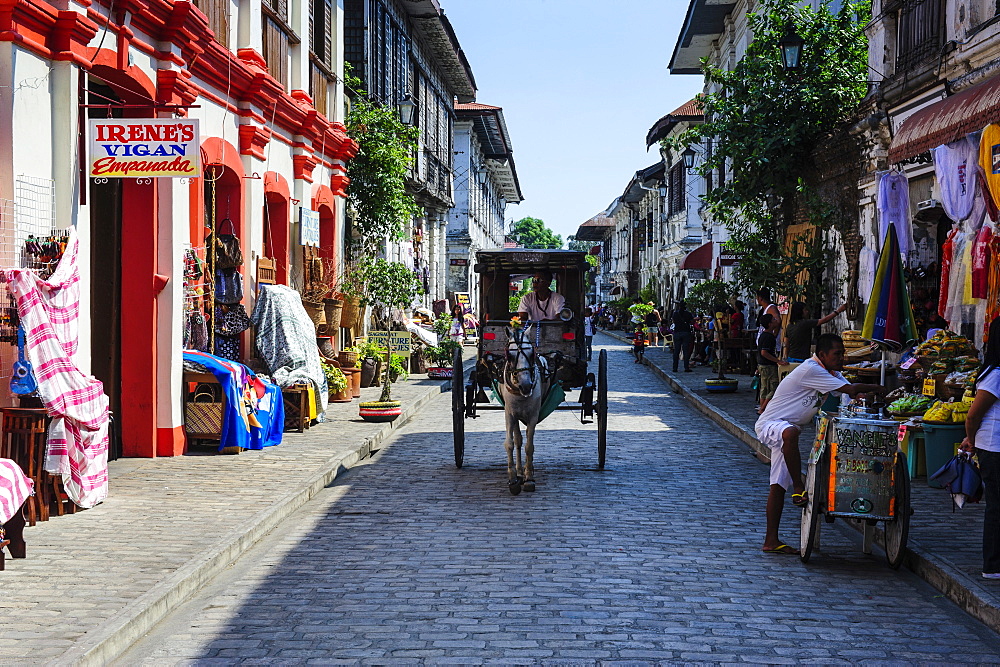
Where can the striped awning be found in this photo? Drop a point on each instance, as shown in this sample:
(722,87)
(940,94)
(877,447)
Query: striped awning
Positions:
(947,121)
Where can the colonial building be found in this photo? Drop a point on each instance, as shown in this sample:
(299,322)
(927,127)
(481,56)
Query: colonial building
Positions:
(262,80)
(407,54)
(485,183)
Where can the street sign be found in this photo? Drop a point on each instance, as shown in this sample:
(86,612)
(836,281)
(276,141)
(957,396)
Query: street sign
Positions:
(308,227)
(144,148)
(729,258)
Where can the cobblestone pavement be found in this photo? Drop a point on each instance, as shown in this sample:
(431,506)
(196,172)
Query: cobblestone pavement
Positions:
(657,558)
(83,570)
(955,537)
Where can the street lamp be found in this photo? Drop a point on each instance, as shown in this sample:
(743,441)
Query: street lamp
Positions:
(407,107)
(481,174)
(689,155)
(663,190)
(791,50)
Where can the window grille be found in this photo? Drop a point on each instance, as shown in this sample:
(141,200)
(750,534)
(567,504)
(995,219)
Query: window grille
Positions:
(920,30)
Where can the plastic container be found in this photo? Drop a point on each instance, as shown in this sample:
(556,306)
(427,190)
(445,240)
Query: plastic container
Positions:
(940,444)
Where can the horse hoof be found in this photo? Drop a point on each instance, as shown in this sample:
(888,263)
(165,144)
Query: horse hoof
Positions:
(529,485)
(514,487)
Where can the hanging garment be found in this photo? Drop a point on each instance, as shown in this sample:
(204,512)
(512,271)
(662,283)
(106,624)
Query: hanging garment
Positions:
(947,249)
(984,192)
(286,339)
(989,159)
(959,279)
(867,265)
(230,320)
(195,331)
(954,167)
(894,206)
(78,434)
(981,256)
(15,487)
(270,415)
(227,347)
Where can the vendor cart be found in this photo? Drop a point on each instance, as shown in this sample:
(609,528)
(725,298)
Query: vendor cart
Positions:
(856,471)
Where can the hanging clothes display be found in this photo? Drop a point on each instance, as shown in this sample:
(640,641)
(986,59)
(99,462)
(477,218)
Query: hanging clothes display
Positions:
(954,167)
(77,445)
(981,260)
(947,251)
(959,297)
(894,207)
(989,159)
(867,265)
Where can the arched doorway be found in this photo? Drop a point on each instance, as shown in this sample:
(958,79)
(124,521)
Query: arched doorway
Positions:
(276,219)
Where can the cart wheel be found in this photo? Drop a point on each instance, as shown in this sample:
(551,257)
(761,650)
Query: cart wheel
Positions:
(458,408)
(816,481)
(602,408)
(897,531)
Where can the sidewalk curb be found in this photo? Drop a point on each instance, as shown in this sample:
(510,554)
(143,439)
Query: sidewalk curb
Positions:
(940,573)
(126,627)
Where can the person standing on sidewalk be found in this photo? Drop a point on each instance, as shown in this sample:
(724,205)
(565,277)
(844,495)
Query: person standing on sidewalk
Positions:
(767,359)
(653,325)
(982,428)
(682,320)
(795,402)
(798,333)
(588,331)
(767,307)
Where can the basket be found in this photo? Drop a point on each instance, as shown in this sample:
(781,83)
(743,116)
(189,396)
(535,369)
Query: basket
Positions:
(333,308)
(350,313)
(348,359)
(203,412)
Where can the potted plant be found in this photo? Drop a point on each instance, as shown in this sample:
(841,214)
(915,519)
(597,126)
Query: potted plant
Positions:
(441,357)
(370,357)
(337,384)
(397,368)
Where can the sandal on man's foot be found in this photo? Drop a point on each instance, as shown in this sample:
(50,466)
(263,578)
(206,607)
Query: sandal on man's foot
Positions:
(800,499)
(782,549)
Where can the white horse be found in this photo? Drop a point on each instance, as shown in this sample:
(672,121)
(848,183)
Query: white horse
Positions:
(526,382)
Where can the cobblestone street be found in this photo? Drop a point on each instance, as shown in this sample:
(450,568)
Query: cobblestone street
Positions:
(657,558)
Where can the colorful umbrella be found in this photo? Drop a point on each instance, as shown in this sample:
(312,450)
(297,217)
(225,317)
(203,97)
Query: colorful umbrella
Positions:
(889,318)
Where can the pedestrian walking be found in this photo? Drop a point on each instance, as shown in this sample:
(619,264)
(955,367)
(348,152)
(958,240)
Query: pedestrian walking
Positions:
(456,331)
(767,361)
(982,428)
(588,331)
(798,333)
(682,321)
(794,404)
(653,325)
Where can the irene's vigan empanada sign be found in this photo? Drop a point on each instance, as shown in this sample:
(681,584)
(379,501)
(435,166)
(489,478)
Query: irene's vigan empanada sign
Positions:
(144,147)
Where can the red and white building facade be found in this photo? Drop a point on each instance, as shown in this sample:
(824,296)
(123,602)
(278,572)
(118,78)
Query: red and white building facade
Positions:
(261,79)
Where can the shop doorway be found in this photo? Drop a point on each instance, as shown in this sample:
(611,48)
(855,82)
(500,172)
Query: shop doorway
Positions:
(105,200)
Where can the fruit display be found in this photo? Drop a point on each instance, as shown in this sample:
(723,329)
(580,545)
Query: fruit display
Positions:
(911,404)
(948,413)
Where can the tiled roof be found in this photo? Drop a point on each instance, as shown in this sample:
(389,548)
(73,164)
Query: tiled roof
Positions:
(689,108)
(688,111)
(474,106)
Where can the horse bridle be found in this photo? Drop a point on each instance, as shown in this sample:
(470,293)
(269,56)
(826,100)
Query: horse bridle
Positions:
(509,373)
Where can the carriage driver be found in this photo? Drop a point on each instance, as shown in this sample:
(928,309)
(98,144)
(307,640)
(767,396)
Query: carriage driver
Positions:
(795,402)
(541,303)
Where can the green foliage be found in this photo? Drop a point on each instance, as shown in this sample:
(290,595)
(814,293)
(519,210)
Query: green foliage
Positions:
(766,124)
(593,260)
(648,293)
(515,299)
(640,310)
(532,233)
(443,354)
(398,367)
(583,246)
(376,195)
(368,349)
(336,381)
(706,296)
(380,282)
(442,325)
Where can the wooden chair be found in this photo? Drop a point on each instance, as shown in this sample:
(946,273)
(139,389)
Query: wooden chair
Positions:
(267,274)
(296,399)
(23,441)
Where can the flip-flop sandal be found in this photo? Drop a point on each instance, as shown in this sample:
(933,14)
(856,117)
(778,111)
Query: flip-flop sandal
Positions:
(800,499)
(782,549)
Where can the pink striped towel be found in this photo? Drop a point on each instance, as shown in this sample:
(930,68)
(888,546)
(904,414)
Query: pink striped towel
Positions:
(15,487)
(78,435)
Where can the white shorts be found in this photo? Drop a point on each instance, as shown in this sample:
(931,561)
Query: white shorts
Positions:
(770,433)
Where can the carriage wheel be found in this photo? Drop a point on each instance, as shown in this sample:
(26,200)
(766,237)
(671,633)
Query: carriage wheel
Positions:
(458,409)
(897,531)
(816,484)
(602,408)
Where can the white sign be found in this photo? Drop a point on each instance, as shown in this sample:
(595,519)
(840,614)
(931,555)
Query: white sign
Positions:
(144,148)
(308,227)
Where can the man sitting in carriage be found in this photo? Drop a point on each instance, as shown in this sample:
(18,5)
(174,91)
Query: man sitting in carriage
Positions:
(541,303)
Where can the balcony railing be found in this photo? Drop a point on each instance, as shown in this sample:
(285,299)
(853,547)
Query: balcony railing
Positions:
(920,32)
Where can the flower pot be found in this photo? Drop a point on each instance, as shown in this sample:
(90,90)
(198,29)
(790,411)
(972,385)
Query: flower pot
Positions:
(315,312)
(370,371)
(348,359)
(345,395)
(724,386)
(379,411)
(327,347)
(439,372)
(354,375)
(333,308)
(350,313)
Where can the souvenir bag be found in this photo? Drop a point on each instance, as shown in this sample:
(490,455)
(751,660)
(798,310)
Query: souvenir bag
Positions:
(203,410)
(231,320)
(22,380)
(228,286)
(228,253)
(196,331)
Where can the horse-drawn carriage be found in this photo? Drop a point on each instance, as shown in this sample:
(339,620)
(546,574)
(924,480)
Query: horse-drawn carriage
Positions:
(529,366)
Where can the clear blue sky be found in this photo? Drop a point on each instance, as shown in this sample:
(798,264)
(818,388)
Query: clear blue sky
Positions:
(580,83)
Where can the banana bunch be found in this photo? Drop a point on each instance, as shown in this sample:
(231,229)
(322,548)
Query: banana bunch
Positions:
(960,412)
(949,413)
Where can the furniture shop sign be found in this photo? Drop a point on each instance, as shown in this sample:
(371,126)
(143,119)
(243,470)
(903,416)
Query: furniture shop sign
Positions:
(144,148)
(308,227)
(397,342)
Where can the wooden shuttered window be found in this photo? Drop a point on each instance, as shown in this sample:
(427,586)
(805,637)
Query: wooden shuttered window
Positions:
(321,25)
(276,50)
(675,193)
(217,12)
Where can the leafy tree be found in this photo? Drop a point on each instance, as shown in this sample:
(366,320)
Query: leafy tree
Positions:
(585,246)
(532,233)
(376,195)
(766,124)
(706,296)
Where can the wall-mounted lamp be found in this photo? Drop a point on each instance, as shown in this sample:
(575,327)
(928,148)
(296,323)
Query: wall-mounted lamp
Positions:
(663,190)
(689,155)
(407,109)
(481,174)
(791,50)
